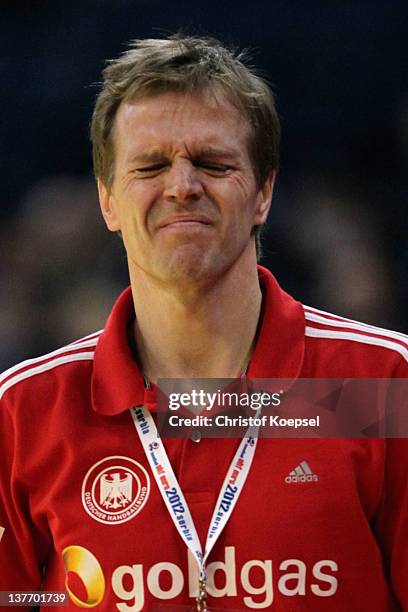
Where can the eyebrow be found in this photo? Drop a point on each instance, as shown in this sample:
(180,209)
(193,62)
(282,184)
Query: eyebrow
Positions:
(212,152)
(147,156)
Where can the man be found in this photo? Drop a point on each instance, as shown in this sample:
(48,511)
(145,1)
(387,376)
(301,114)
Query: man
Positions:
(186,151)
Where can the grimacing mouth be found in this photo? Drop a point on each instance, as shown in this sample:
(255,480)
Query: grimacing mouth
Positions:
(186,218)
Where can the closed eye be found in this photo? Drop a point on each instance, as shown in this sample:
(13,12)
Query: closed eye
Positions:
(214,168)
(150,169)
(208,167)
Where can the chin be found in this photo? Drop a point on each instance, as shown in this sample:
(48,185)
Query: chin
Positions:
(190,267)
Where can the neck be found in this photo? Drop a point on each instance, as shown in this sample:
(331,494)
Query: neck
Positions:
(208,332)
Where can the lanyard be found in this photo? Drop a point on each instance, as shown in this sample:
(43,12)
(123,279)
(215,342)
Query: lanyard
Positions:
(173,496)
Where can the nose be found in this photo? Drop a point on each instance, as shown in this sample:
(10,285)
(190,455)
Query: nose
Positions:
(183,182)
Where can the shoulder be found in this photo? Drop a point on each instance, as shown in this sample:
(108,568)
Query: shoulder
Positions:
(40,369)
(372,351)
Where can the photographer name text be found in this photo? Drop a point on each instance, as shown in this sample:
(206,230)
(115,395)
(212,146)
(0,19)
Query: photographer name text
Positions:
(223,420)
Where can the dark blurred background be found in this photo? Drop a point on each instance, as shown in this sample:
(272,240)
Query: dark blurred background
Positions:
(337,234)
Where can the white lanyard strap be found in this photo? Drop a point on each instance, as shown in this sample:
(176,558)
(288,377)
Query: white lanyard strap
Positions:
(173,496)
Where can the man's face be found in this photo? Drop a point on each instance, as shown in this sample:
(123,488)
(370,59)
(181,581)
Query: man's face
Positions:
(184,195)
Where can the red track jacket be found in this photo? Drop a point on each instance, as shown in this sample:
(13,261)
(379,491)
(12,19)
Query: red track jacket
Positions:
(335,542)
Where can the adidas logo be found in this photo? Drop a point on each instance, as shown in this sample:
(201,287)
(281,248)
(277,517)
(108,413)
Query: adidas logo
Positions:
(301,473)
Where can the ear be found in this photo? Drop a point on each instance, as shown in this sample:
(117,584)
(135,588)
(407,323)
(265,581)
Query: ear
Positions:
(264,199)
(108,207)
